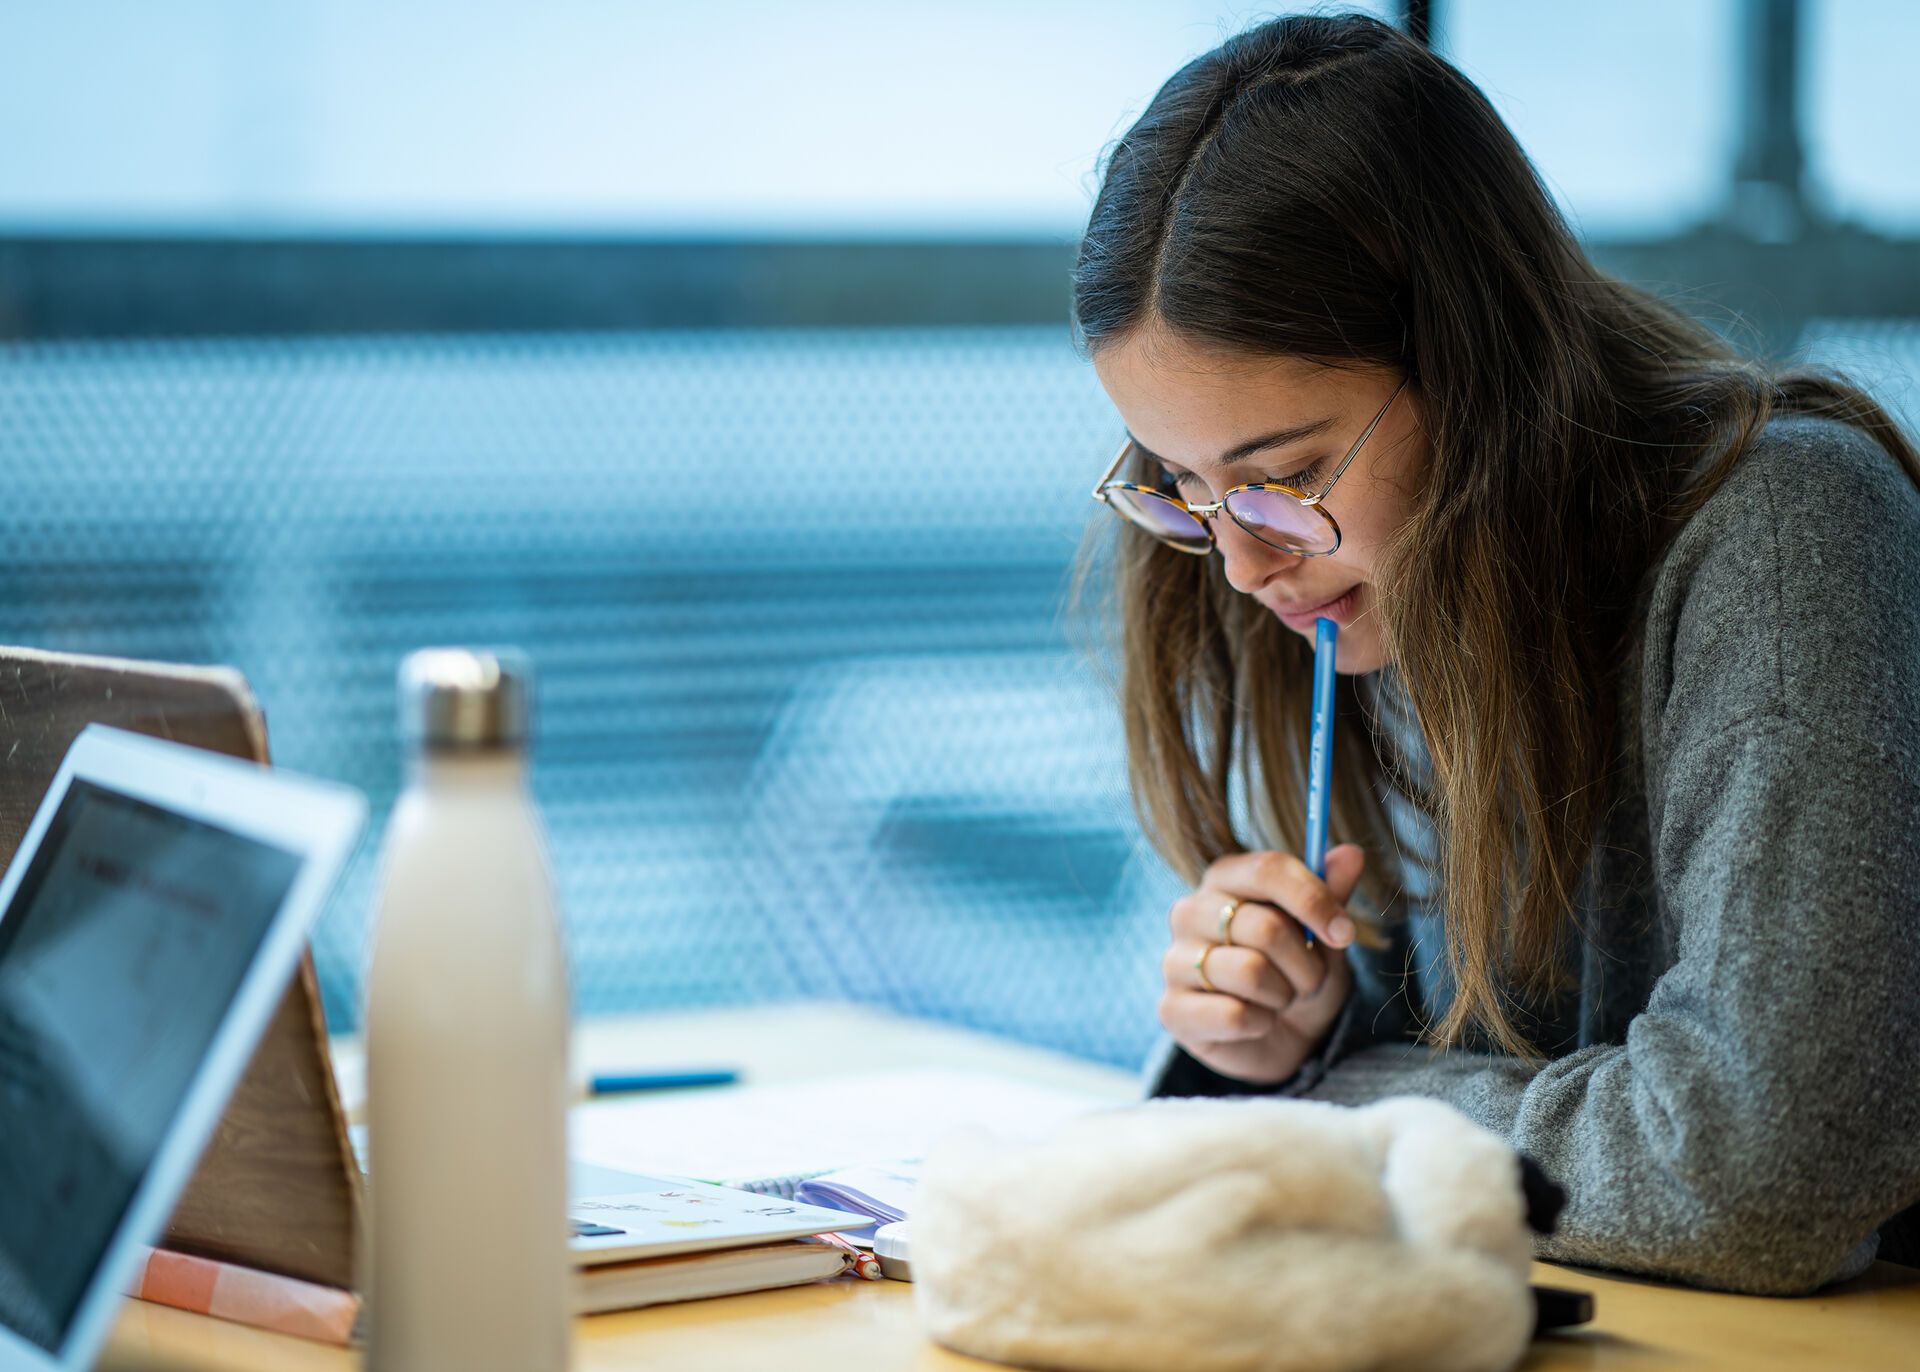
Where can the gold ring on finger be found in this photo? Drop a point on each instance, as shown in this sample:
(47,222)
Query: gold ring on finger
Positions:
(1226,921)
(1200,966)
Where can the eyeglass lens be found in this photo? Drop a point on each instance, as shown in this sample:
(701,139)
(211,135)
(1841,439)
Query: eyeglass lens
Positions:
(1160,517)
(1277,518)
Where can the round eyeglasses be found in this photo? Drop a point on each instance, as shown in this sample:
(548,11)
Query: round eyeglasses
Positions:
(1278,515)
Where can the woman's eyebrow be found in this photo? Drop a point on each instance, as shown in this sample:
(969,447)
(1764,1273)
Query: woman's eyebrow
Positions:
(1292,434)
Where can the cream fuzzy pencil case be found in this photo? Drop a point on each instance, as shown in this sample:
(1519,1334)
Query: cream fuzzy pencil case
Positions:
(1251,1235)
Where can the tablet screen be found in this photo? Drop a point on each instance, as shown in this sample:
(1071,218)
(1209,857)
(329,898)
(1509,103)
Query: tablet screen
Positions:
(120,954)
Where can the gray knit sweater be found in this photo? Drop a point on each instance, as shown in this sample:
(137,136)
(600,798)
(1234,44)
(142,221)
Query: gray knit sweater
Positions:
(1732,1096)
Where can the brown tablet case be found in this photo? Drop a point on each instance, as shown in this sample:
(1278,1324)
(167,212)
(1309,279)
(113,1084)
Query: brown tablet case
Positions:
(276,1188)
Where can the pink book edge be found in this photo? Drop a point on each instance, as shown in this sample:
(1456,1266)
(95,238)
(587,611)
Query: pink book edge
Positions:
(227,1291)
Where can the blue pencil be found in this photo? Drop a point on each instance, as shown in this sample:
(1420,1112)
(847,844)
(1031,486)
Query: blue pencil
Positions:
(615,1083)
(1326,637)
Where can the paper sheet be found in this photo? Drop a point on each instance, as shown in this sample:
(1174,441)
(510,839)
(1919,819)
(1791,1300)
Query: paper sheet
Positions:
(775,1135)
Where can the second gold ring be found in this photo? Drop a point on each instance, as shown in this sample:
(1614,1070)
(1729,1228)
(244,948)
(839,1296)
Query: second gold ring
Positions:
(1200,966)
(1226,921)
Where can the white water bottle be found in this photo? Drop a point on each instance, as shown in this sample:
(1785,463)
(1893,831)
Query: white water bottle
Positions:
(467,1264)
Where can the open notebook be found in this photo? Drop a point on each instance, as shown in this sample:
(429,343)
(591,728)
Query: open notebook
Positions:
(850,1143)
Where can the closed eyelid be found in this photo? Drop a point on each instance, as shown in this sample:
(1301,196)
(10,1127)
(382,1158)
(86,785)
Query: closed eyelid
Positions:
(1173,470)
(1167,469)
(1278,439)
(1309,471)
(1224,469)
(1152,456)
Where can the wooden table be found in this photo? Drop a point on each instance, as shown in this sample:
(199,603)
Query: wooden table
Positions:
(869,1327)
(1871,1323)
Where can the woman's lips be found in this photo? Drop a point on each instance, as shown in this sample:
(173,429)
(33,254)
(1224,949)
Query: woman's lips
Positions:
(1339,610)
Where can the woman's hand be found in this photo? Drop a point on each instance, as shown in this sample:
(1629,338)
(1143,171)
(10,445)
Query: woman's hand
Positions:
(1273,996)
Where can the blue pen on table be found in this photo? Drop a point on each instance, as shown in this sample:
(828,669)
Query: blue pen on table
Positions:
(615,1083)
(1326,637)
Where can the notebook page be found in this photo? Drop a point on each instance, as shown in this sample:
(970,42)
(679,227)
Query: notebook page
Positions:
(883,1191)
(782,1133)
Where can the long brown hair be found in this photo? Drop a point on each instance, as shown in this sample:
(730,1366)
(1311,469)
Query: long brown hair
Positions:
(1328,189)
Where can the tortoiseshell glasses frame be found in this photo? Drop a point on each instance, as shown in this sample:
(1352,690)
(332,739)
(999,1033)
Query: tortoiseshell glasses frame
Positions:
(1279,515)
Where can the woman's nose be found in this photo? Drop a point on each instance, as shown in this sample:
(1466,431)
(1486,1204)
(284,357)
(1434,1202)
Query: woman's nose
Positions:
(1250,564)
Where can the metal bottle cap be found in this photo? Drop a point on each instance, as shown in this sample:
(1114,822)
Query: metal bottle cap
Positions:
(458,698)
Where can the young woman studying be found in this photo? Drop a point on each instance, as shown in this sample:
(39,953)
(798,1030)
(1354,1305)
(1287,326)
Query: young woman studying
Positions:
(1627,761)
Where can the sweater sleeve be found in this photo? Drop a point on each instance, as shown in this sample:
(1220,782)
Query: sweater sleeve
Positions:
(1759,1122)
